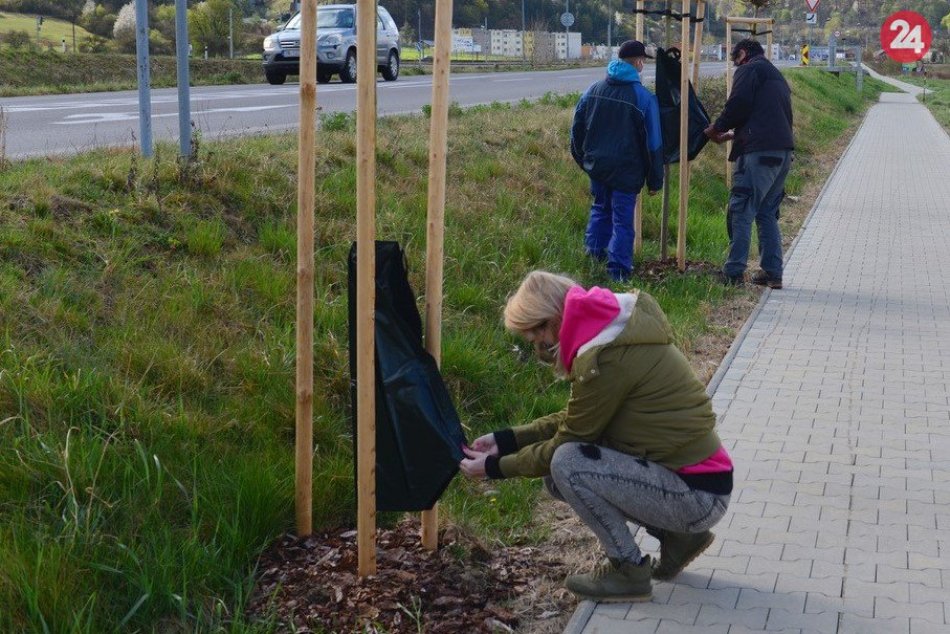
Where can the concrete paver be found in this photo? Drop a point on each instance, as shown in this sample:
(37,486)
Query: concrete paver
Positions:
(836,408)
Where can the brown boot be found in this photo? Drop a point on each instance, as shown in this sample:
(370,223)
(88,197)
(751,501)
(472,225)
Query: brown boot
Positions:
(614,581)
(678,550)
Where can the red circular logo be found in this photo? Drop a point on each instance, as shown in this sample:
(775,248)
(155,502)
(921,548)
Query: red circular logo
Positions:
(906,36)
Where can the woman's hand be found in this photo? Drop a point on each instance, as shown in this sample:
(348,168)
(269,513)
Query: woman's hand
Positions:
(474,465)
(486,444)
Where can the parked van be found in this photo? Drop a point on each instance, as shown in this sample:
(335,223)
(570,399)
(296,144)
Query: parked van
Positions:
(336,46)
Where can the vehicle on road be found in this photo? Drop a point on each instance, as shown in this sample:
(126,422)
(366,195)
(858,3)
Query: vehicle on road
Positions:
(336,46)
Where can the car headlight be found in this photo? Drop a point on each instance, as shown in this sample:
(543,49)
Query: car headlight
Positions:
(333,39)
(271,43)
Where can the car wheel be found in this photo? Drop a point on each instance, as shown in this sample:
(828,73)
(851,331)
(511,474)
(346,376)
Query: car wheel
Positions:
(275,77)
(348,72)
(391,69)
(323,77)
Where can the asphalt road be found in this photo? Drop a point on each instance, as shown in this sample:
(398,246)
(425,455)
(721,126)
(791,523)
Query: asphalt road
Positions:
(67,124)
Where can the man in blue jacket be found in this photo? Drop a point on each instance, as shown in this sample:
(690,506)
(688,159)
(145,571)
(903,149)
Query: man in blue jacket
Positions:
(616,139)
(758,118)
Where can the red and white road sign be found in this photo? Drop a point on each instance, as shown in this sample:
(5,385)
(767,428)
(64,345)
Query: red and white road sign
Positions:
(812,5)
(906,36)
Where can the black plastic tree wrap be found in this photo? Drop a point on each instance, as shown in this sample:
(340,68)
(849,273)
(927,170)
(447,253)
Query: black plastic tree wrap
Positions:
(418,432)
(668,94)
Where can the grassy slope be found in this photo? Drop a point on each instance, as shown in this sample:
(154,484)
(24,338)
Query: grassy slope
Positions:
(147,343)
(53,30)
(939,101)
(54,73)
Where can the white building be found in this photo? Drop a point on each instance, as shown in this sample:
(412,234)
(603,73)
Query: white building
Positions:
(507,43)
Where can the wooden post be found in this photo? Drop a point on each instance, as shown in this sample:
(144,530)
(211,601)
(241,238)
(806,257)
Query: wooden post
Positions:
(698,46)
(638,212)
(768,50)
(684,139)
(366,285)
(306,160)
(728,92)
(665,214)
(435,224)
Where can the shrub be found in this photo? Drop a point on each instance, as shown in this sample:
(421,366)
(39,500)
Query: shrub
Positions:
(17,39)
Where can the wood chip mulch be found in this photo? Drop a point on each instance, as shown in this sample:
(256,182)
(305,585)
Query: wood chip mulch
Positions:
(659,270)
(311,585)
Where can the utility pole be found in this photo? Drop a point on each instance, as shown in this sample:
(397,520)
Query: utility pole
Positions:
(610,23)
(422,47)
(524,53)
(230,32)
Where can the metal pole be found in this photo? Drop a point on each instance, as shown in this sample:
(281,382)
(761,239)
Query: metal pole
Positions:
(230,32)
(728,92)
(306,177)
(184,87)
(524,53)
(665,214)
(610,20)
(145,98)
(860,73)
(366,285)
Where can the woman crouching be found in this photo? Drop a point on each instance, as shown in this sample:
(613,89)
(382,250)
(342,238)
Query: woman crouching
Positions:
(635,442)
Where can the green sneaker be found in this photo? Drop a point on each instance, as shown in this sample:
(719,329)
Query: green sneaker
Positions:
(614,581)
(678,550)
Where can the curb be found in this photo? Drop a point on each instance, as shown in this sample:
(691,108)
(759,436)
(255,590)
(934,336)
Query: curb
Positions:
(585,609)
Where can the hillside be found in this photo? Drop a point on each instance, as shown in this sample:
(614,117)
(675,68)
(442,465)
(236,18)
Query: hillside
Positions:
(52,32)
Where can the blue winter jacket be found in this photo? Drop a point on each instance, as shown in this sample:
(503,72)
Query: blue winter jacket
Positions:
(616,134)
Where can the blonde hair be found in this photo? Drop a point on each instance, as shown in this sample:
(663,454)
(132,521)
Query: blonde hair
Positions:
(539,301)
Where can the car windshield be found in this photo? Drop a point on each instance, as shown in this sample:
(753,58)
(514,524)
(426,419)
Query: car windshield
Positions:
(327,18)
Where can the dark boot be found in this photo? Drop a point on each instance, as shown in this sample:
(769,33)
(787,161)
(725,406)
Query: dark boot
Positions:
(614,581)
(678,550)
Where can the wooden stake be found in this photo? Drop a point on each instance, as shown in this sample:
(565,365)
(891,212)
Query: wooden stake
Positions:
(684,139)
(768,50)
(306,160)
(366,286)
(665,214)
(435,224)
(638,212)
(728,92)
(698,46)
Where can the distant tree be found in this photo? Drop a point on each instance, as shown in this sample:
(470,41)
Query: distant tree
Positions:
(208,26)
(123,31)
(98,21)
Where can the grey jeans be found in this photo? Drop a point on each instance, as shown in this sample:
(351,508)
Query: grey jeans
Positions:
(607,489)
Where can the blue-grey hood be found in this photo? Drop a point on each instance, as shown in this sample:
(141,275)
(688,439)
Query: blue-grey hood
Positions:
(619,70)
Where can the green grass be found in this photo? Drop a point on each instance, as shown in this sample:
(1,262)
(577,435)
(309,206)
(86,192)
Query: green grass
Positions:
(52,32)
(57,73)
(938,101)
(147,344)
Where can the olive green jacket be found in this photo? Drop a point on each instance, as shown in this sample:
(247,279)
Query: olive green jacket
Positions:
(636,394)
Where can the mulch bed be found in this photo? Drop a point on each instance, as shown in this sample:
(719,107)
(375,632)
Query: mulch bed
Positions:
(659,270)
(311,585)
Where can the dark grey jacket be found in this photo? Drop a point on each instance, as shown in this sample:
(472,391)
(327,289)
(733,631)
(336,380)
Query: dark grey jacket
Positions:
(759,109)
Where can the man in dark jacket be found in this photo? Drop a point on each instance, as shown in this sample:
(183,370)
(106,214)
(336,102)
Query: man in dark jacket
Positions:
(758,119)
(616,139)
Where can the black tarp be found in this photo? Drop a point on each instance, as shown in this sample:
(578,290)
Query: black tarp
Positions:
(668,95)
(418,432)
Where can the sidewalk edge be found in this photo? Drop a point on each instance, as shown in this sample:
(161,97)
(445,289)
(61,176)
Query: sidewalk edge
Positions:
(585,609)
(583,612)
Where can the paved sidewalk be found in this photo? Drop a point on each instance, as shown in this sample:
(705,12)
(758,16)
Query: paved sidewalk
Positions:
(836,408)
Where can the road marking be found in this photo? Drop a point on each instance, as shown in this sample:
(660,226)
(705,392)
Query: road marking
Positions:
(111,117)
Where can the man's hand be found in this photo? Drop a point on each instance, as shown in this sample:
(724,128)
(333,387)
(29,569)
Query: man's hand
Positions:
(474,465)
(716,136)
(486,444)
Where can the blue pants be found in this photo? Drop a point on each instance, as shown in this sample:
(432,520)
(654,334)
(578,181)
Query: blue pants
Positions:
(758,187)
(609,233)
